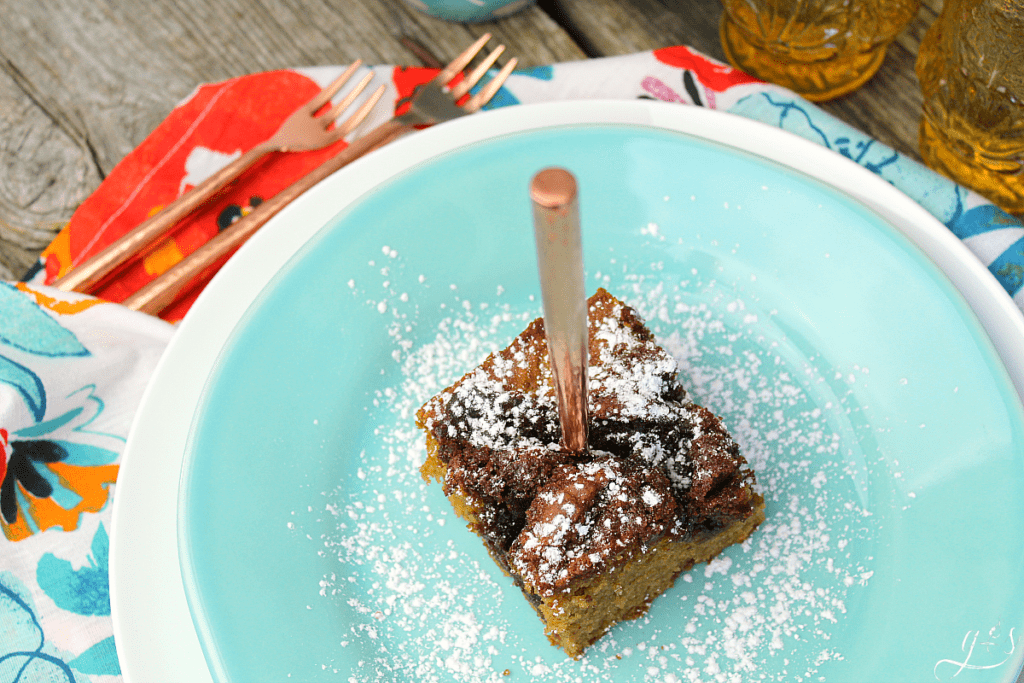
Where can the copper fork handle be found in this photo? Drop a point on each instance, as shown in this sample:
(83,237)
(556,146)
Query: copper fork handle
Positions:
(162,291)
(556,221)
(302,130)
(143,238)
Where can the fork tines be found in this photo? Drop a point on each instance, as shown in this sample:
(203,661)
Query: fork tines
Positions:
(432,103)
(469,80)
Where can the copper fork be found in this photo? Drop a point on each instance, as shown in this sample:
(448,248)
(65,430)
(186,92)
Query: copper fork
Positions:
(305,129)
(434,102)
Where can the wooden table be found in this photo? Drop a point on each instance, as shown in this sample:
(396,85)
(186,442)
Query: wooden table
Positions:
(82,83)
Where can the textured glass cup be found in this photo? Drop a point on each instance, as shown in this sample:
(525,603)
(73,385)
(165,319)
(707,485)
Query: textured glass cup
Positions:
(971,69)
(820,48)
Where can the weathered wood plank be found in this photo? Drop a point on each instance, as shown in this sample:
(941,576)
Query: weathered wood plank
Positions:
(611,27)
(81,84)
(43,171)
(91,79)
(887,107)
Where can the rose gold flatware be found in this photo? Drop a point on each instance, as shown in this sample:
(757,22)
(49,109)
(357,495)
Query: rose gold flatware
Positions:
(434,102)
(306,129)
(556,226)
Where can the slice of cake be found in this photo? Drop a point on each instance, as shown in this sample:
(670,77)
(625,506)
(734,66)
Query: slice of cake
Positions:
(590,539)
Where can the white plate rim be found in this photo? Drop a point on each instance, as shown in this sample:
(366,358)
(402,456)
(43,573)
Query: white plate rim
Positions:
(153,629)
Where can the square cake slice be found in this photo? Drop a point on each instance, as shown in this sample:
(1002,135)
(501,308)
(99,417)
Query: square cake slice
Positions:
(590,539)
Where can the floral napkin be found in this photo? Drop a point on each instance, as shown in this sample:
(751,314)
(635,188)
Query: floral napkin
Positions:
(73,367)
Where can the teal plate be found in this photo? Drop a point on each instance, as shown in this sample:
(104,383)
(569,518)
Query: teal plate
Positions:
(881,424)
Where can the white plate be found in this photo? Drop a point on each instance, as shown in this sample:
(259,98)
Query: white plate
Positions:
(155,636)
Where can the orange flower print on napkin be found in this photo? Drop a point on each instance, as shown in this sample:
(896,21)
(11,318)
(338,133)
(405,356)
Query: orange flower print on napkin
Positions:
(53,467)
(50,484)
(55,470)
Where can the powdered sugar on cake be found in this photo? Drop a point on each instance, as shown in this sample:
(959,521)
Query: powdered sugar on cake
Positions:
(426,603)
(496,432)
(586,516)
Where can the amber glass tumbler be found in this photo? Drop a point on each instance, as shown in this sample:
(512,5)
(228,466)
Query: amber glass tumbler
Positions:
(971,68)
(820,48)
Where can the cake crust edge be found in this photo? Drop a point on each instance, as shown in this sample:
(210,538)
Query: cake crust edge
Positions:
(578,604)
(655,571)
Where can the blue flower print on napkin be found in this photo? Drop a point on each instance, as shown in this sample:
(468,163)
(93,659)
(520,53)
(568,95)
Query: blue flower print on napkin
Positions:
(100,659)
(996,237)
(25,655)
(83,591)
(27,327)
(53,468)
(26,383)
(56,469)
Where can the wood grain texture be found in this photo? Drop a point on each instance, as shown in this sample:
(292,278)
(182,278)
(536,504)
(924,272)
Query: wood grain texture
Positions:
(610,27)
(81,84)
(44,170)
(887,107)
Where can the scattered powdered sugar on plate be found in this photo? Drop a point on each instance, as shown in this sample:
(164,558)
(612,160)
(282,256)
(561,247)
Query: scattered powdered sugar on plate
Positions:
(424,601)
